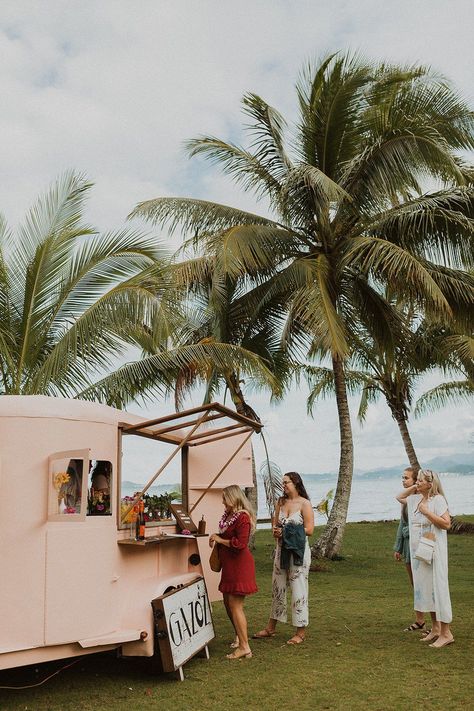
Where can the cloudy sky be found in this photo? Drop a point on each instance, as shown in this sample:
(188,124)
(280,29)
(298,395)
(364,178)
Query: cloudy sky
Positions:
(113,89)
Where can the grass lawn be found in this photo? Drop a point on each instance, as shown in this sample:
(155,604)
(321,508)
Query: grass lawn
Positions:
(355,656)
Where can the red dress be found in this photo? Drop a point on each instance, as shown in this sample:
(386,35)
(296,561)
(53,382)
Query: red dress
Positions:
(238,565)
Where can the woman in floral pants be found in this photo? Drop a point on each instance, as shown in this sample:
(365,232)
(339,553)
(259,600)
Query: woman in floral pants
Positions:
(293,522)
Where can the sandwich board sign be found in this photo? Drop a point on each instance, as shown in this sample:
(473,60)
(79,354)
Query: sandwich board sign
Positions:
(183,624)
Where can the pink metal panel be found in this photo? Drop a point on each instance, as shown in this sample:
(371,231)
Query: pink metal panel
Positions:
(81,585)
(204,463)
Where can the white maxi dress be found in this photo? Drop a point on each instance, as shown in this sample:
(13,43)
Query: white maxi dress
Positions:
(430,581)
(296,578)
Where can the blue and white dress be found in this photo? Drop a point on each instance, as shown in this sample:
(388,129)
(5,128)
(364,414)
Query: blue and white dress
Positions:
(430,581)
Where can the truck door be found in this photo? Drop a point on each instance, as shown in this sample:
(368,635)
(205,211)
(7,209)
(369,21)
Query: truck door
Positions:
(80,590)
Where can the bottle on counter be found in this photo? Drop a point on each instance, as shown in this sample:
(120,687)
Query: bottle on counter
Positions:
(202,526)
(141,521)
(134,522)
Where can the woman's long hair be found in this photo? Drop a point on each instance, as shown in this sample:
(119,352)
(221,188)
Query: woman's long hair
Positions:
(299,486)
(433,479)
(235,498)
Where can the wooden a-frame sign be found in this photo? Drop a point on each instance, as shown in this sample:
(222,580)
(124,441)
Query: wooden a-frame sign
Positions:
(183,624)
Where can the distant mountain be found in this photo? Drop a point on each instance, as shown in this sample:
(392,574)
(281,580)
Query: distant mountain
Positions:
(455,464)
(130,487)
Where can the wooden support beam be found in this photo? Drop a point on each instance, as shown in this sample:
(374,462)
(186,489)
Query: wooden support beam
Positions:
(193,443)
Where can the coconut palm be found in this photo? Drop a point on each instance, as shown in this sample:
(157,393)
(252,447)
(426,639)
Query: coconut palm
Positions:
(217,311)
(348,214)
(73,302)
(67,294)
(420,348)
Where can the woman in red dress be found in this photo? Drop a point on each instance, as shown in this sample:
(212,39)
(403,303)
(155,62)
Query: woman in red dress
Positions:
(238,566)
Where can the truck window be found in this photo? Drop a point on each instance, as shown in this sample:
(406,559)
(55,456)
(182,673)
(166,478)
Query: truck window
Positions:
(67,485)
(99,489)
(67,482)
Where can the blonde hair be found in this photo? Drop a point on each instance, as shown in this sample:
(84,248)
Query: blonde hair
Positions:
(432,478)
(235,498)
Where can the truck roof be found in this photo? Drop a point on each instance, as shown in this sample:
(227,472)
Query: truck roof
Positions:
(43,406)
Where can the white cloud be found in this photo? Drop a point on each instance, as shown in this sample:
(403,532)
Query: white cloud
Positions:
(114,88)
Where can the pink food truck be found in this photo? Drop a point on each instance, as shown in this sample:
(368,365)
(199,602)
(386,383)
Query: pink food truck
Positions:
(79,574)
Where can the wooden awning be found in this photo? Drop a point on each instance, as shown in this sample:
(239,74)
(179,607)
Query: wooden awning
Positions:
(192,428)
(196,426)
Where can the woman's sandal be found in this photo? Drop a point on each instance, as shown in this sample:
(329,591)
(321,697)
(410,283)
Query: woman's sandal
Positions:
(414,627)
(296,639)
(242,655)
(431,637)
(263,634)
(435,644)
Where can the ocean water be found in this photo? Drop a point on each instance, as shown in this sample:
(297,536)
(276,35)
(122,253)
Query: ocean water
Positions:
(373,498)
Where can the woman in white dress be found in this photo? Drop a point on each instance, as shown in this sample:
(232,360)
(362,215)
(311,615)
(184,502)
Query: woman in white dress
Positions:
(292,523)
(428,513)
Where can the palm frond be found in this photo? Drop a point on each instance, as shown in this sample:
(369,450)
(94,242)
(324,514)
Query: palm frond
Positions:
(244,167)
(267,129)
(271,476)
(445,394)
(399,268)
(156,374)
(195,217)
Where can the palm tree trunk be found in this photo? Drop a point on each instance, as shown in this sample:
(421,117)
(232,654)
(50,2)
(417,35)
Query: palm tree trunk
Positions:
(330,541)
(243,408)
(407,442)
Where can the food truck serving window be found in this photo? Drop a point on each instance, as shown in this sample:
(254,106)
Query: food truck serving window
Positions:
(67,485)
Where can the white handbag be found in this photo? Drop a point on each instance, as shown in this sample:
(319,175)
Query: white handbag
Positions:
(425,549)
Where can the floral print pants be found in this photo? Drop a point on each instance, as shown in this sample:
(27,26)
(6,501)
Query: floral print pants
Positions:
(297,578)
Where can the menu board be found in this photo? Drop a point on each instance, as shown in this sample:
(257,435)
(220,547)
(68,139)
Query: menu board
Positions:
(183,518)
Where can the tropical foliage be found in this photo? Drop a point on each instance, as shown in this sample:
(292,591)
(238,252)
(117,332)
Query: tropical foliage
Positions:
(395,373)
(73,303)
(68,296)
(350,219)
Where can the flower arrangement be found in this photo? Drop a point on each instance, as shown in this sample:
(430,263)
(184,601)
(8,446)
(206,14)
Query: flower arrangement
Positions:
(98,503)
(124,504)
(156,507)
(59,479)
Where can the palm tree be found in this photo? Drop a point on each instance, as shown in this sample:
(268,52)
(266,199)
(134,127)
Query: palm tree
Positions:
(73,302)
(421,347)
(349,215)
(217,310)
(67,294)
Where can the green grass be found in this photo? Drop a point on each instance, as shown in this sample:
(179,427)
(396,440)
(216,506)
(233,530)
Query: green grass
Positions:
(355,656)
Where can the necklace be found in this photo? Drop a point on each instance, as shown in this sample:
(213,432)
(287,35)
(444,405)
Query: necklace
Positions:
(227,519)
